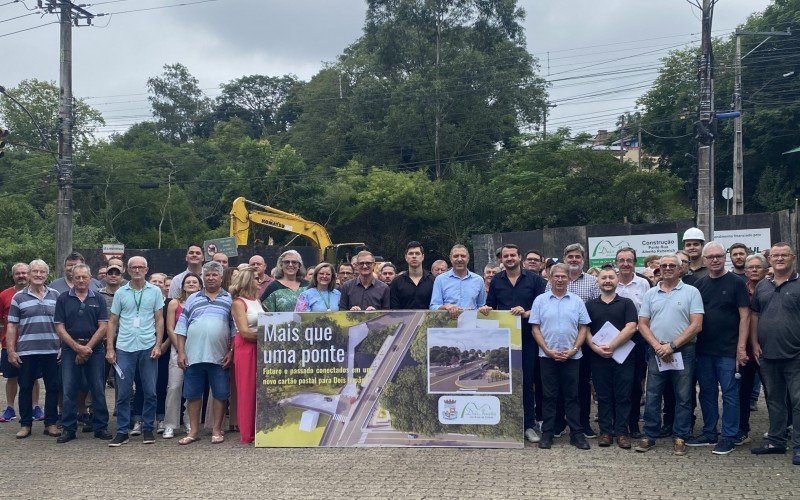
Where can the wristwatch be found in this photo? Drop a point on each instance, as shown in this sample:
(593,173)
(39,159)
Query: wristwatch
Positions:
(673,347)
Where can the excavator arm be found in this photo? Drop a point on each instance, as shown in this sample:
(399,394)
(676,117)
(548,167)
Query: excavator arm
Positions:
(241,216)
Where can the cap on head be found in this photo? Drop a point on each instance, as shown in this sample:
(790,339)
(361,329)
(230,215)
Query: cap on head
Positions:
(694,233)
(114,266)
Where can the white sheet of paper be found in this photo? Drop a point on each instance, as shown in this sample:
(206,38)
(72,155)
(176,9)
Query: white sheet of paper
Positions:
(622,352)
(676,364)
(605,335)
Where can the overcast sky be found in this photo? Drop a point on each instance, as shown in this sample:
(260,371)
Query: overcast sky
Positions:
(225,39)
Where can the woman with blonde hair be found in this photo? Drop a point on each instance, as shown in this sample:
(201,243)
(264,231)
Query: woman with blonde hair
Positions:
(245,310)
(281,295)
(321,294)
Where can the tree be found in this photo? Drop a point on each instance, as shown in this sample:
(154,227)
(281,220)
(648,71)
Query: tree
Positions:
(266,103)
(41,99)
(178,102)
(770,111)
(429,84)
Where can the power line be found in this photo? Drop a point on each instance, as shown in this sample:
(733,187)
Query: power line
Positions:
(185,4)
(28,29)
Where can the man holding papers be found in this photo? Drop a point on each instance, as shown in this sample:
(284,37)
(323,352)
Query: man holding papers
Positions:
(669,320)
(614,321)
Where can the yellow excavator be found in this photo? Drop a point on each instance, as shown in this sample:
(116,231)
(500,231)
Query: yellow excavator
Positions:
(244,212)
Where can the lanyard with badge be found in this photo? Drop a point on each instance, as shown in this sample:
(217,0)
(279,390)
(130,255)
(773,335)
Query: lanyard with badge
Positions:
(137,321)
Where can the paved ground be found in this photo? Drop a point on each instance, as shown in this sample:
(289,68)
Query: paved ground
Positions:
(37,467)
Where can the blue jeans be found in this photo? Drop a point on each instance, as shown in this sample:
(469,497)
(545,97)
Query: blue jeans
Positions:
(714,372)
(130,363)
(682,382)
(72,378)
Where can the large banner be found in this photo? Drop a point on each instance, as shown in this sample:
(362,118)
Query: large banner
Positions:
(756,240)
(389,378)
(604,249)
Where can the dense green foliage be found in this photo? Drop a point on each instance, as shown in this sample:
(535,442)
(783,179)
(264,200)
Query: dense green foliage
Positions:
(416,131)
(770,110)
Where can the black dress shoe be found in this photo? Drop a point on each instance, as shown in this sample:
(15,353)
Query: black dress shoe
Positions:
(579,441)
(766,449)
(66,437)
(546,442)
(104,434)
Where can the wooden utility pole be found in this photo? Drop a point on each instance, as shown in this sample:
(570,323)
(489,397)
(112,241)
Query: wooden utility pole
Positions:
(69,13)
(705,152)
(738,148)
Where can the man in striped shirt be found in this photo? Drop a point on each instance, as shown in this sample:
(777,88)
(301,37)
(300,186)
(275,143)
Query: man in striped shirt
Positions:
(33,344)
(204,333)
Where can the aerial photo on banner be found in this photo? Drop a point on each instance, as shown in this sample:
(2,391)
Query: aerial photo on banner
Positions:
(389,378)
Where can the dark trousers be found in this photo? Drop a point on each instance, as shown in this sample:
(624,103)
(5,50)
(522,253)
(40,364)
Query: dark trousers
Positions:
(584,394)
(537,387)
(778,377)
(161,385)
(747,382)
(32,365)
(560,378)
(72,375)
(639,373)
(612,386)
(585,387)
(530,351)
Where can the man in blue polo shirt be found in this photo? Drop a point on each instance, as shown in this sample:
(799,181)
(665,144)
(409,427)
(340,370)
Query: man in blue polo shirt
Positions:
(459,288)
(560,326)
(81,319)
(670,318)
(32,345)
(204,333)
(136,313)
(514,289)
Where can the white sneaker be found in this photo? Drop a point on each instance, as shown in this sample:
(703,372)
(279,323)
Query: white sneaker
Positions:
(160,427)
(531,435)
(168,433)
(137,429)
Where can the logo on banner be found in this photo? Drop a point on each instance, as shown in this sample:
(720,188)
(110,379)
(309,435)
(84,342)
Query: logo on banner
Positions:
(476,410)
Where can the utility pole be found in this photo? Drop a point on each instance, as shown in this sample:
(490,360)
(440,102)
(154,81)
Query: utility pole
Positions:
(639,143)
(705,136)
(69,13)
(738,149)
(547,106)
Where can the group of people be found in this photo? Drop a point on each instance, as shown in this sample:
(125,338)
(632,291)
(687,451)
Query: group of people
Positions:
(696,324)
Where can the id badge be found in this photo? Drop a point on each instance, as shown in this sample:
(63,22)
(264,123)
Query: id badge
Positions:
(136,322)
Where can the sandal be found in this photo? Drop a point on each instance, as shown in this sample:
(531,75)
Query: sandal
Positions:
(217,439)
(187,440)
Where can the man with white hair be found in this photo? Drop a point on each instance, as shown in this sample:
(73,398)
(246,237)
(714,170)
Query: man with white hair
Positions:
(33,344)
(721,349)
(136,313)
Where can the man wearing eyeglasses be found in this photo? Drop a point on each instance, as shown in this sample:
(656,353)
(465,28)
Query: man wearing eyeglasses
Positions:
(633,286)
(775,335)
(534,260)
(365,293)
(344,273)
(670,318)
(721,350)
(136,310)
(81,319)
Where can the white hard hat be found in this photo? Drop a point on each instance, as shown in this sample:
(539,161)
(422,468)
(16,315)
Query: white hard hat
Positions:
(694,234)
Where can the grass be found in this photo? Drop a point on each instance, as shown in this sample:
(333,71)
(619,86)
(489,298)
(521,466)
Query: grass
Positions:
(289,434)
